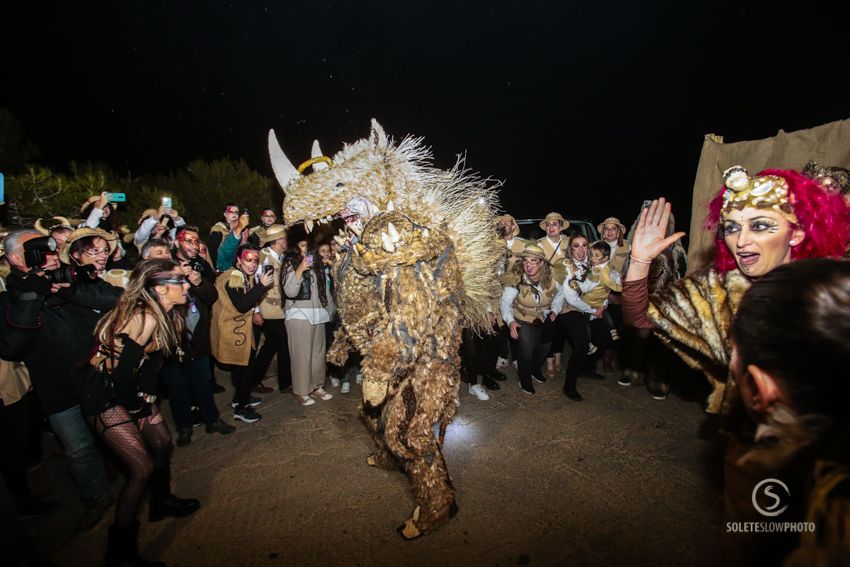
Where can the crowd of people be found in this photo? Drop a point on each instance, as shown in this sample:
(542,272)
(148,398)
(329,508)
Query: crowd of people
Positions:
(102,324)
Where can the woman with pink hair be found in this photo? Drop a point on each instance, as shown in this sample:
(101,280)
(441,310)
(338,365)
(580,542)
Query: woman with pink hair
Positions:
(760,222)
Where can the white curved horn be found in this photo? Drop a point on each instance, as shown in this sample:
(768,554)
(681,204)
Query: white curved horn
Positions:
(284,171)
(377,136)
(315,152)
(40,227)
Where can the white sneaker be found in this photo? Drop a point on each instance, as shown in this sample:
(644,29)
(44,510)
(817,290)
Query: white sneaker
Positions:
(358,377)
(322,394)
(345,388)
(305,400)
(479,392)
(334,382)
(501,362)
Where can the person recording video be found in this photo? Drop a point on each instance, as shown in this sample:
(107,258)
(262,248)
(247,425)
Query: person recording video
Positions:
(50,314)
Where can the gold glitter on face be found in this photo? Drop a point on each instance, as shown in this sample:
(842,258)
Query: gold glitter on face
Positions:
(758,239)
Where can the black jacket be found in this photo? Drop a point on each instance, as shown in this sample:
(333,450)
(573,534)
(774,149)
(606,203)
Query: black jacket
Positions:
(197,344)
(53,335)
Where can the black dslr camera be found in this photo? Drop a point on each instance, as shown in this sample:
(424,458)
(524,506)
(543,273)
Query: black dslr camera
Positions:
(196,264)
(35,251)
(72,274)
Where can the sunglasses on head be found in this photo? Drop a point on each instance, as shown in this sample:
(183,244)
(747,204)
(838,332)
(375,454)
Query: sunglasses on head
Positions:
(177,280)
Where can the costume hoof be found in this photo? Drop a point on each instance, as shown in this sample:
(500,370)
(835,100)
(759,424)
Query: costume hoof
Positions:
(408,530)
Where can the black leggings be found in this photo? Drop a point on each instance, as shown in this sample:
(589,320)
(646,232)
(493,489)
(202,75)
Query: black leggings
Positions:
(580,332)
(141,446)
(530,350)
(478,354)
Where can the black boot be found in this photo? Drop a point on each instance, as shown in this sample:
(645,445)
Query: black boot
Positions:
(122,548)
(164,504)
(570,389)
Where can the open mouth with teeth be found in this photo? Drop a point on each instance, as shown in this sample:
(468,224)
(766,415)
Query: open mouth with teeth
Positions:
(748,258)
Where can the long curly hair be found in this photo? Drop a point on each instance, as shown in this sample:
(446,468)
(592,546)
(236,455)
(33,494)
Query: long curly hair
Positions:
(139,299)
(823,216)
(544,281)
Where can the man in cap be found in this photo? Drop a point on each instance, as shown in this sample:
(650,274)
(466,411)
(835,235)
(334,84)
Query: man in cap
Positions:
(271,315)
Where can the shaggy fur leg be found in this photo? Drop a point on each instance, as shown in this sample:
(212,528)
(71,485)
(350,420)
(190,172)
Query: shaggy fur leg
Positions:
(432,487)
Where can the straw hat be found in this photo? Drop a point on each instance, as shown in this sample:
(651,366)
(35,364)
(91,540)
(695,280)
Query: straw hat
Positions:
(565,224)
(532,250)
(612,220)
(110,239)
(271,233)
(512,220)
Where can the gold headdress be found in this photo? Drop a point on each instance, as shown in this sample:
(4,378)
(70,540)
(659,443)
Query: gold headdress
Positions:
(835,179)
(768,192)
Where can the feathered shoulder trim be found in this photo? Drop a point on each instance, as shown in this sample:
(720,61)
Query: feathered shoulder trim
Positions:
(236,279)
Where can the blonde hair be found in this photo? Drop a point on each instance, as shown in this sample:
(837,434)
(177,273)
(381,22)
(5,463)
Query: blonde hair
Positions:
(545,273)
(139,299)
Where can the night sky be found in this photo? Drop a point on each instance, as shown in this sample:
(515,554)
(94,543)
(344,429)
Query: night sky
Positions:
(585,108)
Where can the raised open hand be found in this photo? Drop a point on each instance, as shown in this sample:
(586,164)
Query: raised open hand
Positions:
(650,238)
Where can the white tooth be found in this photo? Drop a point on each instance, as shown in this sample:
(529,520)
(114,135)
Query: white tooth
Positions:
(308,226)
(322,220)
(425,233)
(416,514)
(394,235)
(329,218)
(386,243)
(390,206)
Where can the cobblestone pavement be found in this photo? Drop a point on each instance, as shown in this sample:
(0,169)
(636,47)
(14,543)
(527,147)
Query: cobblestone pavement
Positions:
(619,478)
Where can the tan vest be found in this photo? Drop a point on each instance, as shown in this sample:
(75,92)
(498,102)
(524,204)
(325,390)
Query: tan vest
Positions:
(14,381)
(271,306)
(513,251)
(553,256)
(526,308)
(231,332)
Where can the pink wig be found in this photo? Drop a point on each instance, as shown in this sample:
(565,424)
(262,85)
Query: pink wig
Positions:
(822,215)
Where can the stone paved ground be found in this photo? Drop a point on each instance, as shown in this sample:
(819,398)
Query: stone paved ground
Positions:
(618,479)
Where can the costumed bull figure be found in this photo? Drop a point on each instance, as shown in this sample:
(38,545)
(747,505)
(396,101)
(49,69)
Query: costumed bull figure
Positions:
(416,265)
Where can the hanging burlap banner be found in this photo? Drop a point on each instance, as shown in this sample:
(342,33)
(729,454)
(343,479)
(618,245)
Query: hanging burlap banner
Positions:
(828,145)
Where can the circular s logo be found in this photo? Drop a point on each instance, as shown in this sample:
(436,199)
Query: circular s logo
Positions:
(773,494)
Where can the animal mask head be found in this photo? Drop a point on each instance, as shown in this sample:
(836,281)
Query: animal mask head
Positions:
(366,177)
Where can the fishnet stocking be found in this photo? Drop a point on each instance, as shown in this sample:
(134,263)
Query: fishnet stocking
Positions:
(140,448)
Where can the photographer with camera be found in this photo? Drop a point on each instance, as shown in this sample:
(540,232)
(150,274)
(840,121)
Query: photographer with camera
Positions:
(187,247)
(50,312)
